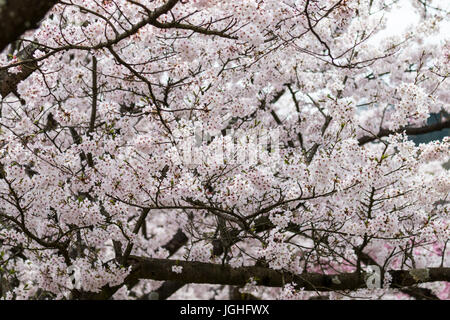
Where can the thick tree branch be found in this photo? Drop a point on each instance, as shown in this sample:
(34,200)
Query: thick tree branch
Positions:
(18,16)
(151,19)
(168,288)
(420,293)
(9,81)
(409,131)
(94,106)
(177,241)
(208,273)
(416,292)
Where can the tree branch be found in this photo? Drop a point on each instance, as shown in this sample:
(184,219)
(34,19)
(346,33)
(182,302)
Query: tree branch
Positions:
(18,16)
(9,81)
(168,288)
(200,272)
(409,131)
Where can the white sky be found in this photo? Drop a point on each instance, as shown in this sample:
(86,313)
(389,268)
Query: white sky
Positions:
(404,15)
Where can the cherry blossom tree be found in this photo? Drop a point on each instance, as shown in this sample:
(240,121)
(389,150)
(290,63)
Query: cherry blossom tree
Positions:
(245,149)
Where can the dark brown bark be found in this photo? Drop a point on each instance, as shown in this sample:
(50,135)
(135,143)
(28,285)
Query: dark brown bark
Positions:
(409,131)
(177,241)
(18,16)
(208,273)
(9,81)
(167,289)
(235,294)
(420,293)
